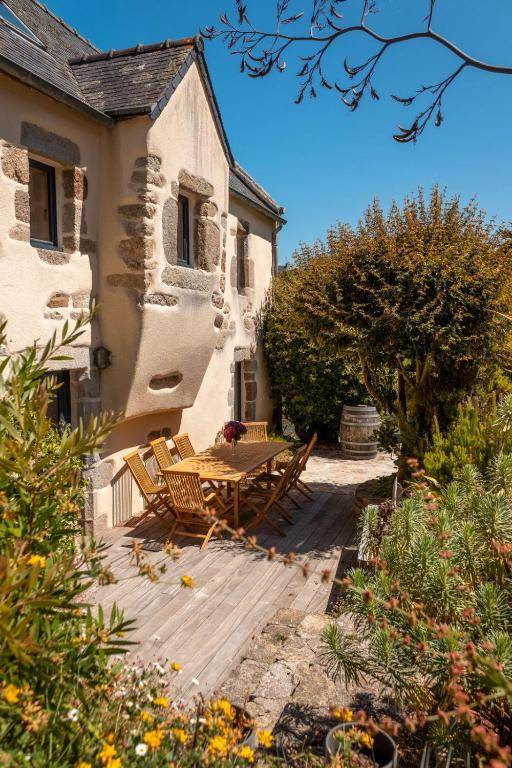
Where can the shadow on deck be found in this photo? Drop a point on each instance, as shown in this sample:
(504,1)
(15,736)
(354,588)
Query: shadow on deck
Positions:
(236,591)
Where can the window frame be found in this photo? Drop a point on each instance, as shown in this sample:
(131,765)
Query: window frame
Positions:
(238,395)
(53,243)
(242,244)
(184,212)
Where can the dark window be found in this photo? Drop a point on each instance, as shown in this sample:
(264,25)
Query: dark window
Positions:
(43,213)
(183,231)
(59,410)
(238,391)
(241,256)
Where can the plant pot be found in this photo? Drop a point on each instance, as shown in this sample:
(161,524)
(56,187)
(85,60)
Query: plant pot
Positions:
(384,751)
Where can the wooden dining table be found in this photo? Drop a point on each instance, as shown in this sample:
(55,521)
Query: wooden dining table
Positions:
(222,464)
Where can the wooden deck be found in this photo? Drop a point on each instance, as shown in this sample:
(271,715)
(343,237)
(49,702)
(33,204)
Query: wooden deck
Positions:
(236,591)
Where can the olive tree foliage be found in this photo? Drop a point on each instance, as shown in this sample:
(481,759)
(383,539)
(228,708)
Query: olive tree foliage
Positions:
(417,293)
(311,31)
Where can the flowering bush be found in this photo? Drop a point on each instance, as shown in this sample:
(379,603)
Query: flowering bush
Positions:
(53,652)
(132,715)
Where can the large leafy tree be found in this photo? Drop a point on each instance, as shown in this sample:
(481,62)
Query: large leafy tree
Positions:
(418,293)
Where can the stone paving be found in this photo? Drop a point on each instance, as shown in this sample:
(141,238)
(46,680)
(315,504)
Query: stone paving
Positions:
(332,473)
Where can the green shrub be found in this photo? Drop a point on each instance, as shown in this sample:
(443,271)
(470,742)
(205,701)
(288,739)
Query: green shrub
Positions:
(53,652)
(312,374)
(433,617)
(477,435)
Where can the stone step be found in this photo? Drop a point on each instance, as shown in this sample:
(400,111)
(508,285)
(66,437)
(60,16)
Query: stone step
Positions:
(280,669)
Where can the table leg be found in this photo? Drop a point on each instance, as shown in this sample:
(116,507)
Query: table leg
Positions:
(236,505)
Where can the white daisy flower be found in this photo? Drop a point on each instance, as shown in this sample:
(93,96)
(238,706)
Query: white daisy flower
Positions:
(141,749)
(73,715)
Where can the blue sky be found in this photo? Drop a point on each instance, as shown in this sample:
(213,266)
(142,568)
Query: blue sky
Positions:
(320,161)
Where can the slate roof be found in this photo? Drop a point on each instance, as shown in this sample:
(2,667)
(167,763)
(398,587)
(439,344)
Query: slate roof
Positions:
(133,79)
(49,62)
(114,84)
(243,185)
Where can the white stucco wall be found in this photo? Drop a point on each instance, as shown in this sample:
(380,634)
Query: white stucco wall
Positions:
(198,335)
(28,282)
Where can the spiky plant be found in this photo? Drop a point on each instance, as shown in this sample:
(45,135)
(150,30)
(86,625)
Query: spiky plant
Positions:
(441,584)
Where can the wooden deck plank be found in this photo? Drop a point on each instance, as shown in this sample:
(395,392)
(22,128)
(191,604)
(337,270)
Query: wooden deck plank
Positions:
(236,591)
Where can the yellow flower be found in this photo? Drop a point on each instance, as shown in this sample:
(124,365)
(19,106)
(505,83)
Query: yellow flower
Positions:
(175,666)
(187,581)
(246,753)
(360,737)
(114,763)
(107,754)
(366,740)
(161,701)
(218,746)
(11,694)
(344,714)
(265,739)
(81,764)
(180,735)
(37,560)
(146,717)
(154,738)
(223,706)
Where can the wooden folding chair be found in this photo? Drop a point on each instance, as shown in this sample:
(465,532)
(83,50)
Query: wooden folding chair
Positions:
(262,500)
(256,432)
(156,496)
(184,446)
(295,483)
(299,484)
(191,506)
(162,454)
(185,450)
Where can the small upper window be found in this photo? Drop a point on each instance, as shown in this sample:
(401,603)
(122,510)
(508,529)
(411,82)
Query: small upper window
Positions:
(183,231)
(241,258)
(8,16)
(43,214)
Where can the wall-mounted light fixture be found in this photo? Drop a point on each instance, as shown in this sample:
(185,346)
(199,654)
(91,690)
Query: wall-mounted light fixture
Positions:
(102,358)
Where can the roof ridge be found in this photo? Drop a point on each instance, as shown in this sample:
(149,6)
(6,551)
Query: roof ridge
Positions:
(134,50)
(257,188)
(65,25)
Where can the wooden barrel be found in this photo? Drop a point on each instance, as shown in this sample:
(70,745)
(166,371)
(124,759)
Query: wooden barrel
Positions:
(358,424)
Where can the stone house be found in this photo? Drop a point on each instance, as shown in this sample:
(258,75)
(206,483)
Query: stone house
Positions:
(118,183)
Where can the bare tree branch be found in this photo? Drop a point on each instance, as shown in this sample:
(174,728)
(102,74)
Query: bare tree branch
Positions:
(262,51)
